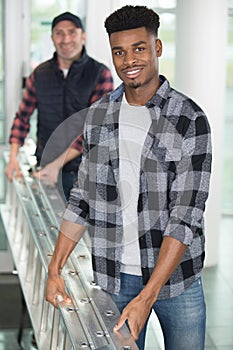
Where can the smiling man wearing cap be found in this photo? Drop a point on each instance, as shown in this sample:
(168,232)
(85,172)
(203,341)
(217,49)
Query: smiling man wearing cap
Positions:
(68,82)
(68,38)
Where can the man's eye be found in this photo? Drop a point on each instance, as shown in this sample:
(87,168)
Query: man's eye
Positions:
(119,53)
(139,49)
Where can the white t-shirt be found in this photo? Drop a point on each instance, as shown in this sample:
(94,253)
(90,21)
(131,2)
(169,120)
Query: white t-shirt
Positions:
(65,72)
(134,123)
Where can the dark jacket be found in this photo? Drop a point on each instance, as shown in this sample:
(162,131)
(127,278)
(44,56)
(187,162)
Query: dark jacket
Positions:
(59,98)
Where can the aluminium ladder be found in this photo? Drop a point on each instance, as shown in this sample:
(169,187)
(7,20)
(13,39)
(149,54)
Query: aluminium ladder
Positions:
(32,215)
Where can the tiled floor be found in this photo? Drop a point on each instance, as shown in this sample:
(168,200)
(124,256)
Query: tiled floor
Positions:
(218,284)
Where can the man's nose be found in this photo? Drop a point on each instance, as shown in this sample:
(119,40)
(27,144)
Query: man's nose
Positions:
(129,58)
(66,38)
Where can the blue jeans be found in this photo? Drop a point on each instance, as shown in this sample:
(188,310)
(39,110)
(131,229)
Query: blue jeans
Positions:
(182,318)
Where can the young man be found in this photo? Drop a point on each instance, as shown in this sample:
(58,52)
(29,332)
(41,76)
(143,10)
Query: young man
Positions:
(143,185)
(58,88)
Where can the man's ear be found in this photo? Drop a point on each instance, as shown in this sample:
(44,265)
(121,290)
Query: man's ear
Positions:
(83,38)
(158,47)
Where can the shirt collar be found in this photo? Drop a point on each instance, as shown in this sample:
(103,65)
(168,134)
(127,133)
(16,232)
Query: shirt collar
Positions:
(117,94)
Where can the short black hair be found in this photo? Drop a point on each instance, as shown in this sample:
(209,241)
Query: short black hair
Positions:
(132,17)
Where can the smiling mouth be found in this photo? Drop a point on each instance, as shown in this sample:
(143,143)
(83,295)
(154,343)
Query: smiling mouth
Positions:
(132,73)
(67,47)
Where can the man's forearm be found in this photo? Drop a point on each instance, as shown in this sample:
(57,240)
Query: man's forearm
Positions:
(14,150)
(171,253)
(69,235)
(66,157)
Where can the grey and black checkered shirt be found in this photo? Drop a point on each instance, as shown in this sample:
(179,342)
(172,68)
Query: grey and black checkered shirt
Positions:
(174,183)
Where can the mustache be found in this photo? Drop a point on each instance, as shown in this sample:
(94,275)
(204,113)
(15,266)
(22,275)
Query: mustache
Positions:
(133,66)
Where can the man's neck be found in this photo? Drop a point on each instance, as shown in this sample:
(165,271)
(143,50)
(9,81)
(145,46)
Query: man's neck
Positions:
(66,63)
(141,95)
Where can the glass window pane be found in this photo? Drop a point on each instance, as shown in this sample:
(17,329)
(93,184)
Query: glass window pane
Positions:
(2,180)
(2,129)
(2,102)
(2,82)
(3,239)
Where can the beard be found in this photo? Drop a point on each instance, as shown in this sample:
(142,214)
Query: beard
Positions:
(134,85)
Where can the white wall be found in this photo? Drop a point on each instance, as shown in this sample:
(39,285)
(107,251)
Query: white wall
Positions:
(200,73)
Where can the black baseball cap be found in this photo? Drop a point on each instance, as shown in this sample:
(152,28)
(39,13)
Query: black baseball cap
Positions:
(67,16)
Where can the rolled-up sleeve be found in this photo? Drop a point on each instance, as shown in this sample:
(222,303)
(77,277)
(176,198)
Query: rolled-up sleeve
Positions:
(21,123)
(190,187)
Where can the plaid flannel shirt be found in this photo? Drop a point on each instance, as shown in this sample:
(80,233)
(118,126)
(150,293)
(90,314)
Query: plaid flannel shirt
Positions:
(174,185)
